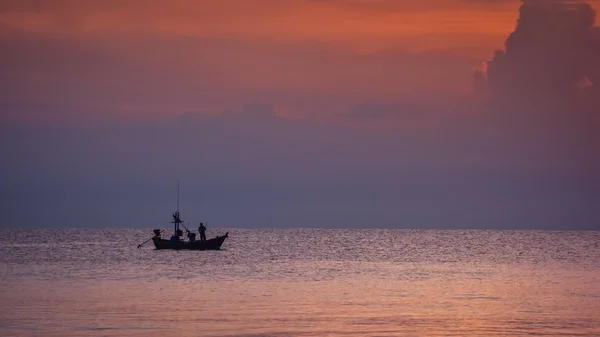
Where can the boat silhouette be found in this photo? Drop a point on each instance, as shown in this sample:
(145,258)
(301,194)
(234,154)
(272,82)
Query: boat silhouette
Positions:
(177,243)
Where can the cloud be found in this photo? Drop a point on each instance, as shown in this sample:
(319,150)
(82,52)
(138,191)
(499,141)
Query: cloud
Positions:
(373,109)
(532,114)
(396,116)
(259,111)
(593,72)
(534,84)
(548,54)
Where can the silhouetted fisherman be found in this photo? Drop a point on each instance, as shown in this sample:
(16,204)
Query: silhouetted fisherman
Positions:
(202,231)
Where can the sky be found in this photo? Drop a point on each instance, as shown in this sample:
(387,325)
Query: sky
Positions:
(300,113)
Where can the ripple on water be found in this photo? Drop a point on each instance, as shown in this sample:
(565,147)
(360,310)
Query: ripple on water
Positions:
(301,282)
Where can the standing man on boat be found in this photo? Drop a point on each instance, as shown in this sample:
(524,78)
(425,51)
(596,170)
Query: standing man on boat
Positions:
(202,231)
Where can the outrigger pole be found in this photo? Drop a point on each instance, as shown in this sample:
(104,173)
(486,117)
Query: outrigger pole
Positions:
(143,243)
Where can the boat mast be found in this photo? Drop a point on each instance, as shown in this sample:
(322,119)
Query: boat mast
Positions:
(176,220)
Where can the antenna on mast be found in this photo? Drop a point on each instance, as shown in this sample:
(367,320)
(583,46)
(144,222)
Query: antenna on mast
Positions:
(177,194)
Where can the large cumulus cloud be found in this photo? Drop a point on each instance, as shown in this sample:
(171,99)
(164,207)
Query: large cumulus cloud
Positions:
(543,88)
(552,51)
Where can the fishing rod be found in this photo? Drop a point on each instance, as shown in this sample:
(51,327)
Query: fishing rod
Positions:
(186,229)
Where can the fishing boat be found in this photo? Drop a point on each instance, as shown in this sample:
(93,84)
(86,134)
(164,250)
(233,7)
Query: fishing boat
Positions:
(177,243)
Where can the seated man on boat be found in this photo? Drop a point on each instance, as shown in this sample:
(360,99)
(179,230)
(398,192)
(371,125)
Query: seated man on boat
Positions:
(202,231)
(176,237)
(191,236)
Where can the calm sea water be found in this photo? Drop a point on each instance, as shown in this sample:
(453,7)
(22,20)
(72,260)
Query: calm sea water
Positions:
(301,282)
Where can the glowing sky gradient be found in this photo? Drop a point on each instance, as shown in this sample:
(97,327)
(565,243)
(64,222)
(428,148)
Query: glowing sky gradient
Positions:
(437,113)
(303,56)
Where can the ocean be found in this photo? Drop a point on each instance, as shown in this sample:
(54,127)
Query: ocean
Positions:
(301,282)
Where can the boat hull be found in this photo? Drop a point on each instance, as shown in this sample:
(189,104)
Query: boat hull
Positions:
(212,244)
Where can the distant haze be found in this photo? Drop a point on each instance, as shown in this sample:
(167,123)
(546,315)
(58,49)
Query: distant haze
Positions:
(368,121)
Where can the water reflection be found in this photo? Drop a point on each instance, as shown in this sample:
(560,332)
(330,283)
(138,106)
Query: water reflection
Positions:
(268,283)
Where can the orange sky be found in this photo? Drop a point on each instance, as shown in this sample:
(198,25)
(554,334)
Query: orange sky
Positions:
(305,57)
(363,24)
